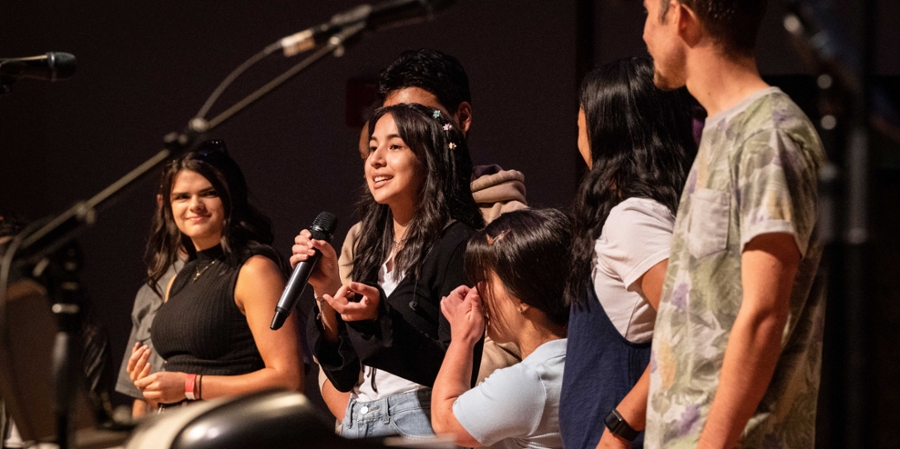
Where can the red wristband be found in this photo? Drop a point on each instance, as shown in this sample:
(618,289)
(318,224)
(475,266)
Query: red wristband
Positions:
(189,386)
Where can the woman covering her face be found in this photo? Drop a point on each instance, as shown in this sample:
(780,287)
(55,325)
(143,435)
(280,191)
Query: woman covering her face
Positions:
(519,264)
(213,329)
(382,336)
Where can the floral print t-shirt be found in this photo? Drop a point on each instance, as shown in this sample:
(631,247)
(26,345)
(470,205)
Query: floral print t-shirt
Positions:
(755,173)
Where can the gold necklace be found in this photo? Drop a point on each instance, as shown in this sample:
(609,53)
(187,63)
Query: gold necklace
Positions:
(200,271)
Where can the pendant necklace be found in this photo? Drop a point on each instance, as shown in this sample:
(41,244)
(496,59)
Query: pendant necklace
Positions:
(201,271)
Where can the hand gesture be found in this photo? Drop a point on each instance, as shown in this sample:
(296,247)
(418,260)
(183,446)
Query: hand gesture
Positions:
(164,387)
(463,309)
(365,309)
(325,278)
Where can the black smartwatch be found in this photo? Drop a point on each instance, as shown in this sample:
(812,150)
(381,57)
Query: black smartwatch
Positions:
(619,427)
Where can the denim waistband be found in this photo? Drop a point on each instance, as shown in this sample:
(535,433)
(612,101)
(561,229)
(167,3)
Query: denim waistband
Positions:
(386,407)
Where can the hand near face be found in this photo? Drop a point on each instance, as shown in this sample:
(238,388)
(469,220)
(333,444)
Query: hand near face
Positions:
(163,387)
(463,309)
(365,309)
(325,277)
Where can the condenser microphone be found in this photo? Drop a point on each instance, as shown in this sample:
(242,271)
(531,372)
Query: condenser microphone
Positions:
(322,229)
(382,15)
(53,66)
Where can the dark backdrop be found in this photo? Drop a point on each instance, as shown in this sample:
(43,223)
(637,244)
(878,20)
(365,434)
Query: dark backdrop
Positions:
(145,68)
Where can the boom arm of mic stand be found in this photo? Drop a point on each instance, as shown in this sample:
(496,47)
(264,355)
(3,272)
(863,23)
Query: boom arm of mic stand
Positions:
(336,45)
(62,228)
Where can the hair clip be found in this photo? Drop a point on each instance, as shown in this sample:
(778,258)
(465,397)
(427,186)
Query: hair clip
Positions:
(436,114)
(451,145)
(499,236)
(447,127)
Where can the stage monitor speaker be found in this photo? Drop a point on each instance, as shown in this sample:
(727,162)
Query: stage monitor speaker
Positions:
(265,419)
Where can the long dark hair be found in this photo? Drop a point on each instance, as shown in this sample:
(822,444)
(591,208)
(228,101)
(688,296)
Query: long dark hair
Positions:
(245,226)
(641,146)
(529,250)
(445,196)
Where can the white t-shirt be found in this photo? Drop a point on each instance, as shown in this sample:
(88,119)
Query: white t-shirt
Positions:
(517,406)
(636,236)
(386,384)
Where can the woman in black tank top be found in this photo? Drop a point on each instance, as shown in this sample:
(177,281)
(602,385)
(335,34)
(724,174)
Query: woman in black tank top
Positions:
(213,329)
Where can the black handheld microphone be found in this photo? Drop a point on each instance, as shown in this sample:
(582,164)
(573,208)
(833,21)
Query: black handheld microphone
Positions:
(53,66)
(322,229)
(379,16)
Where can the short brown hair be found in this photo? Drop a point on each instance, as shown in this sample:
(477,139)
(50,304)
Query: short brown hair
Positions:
(734,24)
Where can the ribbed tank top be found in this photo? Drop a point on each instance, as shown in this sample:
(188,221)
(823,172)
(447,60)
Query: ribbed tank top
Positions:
(200,329)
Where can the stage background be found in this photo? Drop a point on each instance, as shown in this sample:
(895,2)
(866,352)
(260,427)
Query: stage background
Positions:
(145,68)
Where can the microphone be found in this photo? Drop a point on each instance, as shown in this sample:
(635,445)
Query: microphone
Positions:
(322,229)
(380,16)
(53,66)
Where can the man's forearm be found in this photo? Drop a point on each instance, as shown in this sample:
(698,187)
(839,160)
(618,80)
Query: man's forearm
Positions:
(750,359)
(768,267)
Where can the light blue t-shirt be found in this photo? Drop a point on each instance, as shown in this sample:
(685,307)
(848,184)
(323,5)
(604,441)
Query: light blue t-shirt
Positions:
(518,406)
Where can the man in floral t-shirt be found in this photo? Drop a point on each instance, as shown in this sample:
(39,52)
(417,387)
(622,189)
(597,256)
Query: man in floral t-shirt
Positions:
(737,345)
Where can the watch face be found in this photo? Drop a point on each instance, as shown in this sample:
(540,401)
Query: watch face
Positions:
(618,426)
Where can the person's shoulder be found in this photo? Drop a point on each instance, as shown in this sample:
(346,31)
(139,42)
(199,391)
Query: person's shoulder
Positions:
(521,377)
(633,215)
(548,356)
(261,256)
(638,207)
(775,112)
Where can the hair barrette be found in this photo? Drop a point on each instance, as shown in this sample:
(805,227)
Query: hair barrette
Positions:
(451,145)
(499,236)
(436,114)
(447,127)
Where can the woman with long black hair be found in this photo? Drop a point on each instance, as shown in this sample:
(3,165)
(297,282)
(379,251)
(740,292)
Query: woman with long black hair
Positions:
(637,141)
(213,328)
(382,336)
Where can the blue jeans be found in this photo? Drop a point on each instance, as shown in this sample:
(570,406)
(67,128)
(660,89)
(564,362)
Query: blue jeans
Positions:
(406,414)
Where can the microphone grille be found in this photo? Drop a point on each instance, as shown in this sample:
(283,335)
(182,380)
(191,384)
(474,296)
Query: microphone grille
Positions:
(62,64)
(323,226)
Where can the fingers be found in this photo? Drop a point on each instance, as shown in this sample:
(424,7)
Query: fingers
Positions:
(474,298)
(366,290)
(460,292)
(325,248)
(305,247)
(144,382)
(145,372)
(365,309)
(138,362)
(302,248)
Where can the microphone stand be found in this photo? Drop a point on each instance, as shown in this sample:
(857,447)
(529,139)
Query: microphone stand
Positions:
(33,253)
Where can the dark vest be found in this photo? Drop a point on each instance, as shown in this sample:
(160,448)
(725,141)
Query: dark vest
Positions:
(601,368)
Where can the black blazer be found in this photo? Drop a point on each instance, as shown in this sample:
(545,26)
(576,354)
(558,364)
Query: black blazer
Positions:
(411,335)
